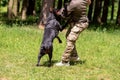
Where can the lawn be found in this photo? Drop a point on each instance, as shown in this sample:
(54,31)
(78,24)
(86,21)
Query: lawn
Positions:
(19,46)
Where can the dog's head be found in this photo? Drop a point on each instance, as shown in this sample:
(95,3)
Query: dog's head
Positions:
(50,16)
(53,14)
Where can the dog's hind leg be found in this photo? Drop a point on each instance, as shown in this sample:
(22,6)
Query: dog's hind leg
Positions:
(39,57)
(50,57)
(60,41)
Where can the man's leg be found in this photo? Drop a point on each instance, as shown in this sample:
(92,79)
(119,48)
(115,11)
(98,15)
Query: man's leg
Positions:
(74,55)
(71,39)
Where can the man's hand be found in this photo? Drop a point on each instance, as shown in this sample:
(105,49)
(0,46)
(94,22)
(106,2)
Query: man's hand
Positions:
(61,13)
(89,2)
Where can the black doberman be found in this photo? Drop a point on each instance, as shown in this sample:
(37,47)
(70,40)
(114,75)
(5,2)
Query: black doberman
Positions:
(51,32)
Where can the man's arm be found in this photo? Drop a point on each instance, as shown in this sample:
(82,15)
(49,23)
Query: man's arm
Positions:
(63,12)
(89,2)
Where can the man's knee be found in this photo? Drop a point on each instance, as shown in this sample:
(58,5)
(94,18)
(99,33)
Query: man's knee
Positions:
(72,37)
(82,26)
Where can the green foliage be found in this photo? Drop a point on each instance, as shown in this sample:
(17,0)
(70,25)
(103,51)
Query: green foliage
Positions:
(3,2)
(34,19)
(31,20)
(38,6)
(19,47)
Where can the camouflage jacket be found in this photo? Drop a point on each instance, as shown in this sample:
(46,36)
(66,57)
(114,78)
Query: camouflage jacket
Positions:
(77,9)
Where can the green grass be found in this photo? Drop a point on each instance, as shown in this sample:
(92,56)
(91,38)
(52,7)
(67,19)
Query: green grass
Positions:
(19,46)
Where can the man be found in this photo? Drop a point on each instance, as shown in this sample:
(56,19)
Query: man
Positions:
(77,11)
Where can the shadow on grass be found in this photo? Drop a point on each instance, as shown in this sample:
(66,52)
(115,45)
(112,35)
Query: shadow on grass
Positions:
(77,62)
(46,63)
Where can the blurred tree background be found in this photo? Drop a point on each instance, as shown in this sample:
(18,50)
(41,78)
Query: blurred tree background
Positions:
(100,12)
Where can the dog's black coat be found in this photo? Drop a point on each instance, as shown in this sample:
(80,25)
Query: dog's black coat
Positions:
(51,31)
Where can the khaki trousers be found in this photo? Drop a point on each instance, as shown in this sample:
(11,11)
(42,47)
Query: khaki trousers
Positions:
(72,35)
